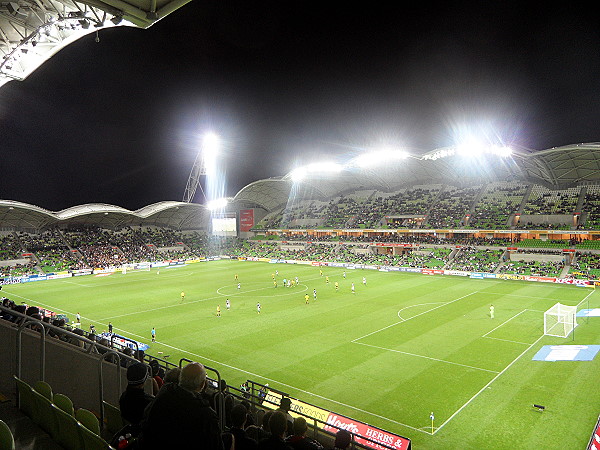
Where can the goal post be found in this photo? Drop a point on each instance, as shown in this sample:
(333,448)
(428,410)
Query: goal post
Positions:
(560,320)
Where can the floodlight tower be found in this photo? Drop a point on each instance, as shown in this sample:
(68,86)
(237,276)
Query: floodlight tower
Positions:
(204,164)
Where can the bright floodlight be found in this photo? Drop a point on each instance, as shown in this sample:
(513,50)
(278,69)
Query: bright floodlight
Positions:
(210,143)
(300,173)
(470,149)
(219,203)
(376,158)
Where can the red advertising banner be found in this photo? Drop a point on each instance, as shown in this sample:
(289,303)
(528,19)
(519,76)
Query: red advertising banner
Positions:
(246,219)
(594,443)
(362,430)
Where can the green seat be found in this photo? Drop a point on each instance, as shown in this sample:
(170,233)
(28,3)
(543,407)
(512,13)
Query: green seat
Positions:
(68,431)
(112,417)
(44,413)
(7,442)
(91,441)
(43,388)
(64,403)
(88,419)
(25,398)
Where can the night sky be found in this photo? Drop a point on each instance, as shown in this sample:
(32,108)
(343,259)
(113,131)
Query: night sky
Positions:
(282,83)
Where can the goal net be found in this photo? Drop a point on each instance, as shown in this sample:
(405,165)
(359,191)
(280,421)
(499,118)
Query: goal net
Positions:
(560,320)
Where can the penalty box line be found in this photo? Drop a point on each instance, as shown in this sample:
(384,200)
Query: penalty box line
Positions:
(413,317)
(486,335)
(486,385)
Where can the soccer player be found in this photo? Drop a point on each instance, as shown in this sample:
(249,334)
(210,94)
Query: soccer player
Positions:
(275,283)
(306,298)
(258,307)
(239,286)
(182,296)
(314,294)
(277,273)
(327,279)
(110,327)
(321,272)
(491,311)
(273,275)
(158,271)
(344,274)
(353,288)
(218,310)
(297,280)
(236,277)
(227,304)
(337,286)
(364,281)
(78,318)
(153,333)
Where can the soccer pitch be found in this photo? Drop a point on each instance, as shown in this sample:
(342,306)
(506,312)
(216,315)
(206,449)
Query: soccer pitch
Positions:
(402,346)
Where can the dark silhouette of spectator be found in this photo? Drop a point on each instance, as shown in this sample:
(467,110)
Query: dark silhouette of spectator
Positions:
(172,375)
(298,440)
(342,440)
(263,431)
(134,400)
(239,415)
(180,415)
(277,425)
(284,406)
(157,381)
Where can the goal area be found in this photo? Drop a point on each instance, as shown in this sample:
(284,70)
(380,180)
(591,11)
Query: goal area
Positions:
(560,320)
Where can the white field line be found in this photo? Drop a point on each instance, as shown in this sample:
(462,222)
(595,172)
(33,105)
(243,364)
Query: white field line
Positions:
(528,296)
(428,357)
(503,323)
(413,317)
(488,384)
(271,380)
(586,297)
(412,306)
(77,284)
(507,340)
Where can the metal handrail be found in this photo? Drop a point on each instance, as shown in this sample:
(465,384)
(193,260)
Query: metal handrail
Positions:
(24,322)
(111,353)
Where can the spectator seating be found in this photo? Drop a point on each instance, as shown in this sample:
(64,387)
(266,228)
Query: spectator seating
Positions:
(7,442)
(72,432)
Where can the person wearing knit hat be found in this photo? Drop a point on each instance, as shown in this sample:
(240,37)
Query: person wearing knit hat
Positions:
(134,400)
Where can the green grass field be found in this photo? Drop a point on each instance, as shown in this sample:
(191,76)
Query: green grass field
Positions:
(399,348)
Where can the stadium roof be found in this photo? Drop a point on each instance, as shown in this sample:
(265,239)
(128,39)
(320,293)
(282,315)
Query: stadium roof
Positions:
(557,168)
(176,215)
(33,31)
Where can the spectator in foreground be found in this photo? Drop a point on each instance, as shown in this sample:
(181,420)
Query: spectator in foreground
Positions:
(284,406)
(134,400)
(258,433)
(342,440)
(277,425)
(180,416)
(298,440)
(172,375)
(239,415)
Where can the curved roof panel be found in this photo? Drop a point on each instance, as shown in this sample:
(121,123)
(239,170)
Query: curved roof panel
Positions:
(169,214)
(31,32)
(556,168)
